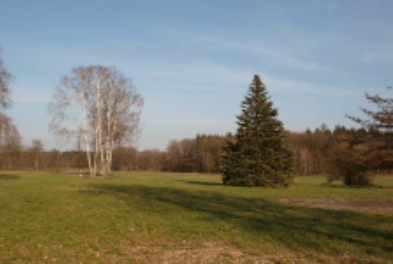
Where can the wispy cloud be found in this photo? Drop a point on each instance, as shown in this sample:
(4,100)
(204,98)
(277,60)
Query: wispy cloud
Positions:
(296,48)
(379,55)
(279,56)
(209,76)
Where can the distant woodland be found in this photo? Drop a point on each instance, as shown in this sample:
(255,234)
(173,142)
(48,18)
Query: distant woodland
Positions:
(200,154)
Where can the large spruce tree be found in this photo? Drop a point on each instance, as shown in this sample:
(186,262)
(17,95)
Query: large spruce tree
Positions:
(260,155)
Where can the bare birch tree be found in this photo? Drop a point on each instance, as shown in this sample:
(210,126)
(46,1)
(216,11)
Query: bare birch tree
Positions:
(36,150)
(10,140)
(100,106)
(5,78)
(10,143)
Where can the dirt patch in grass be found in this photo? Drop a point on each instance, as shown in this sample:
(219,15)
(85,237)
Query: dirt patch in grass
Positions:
(206,253)
(211,252)
(365,205)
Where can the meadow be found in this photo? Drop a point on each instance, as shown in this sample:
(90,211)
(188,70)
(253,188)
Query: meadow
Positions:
(176,218)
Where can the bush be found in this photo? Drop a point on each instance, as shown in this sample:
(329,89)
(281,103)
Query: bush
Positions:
(351,160)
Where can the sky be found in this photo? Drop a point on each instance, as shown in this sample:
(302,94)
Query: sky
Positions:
(193,60)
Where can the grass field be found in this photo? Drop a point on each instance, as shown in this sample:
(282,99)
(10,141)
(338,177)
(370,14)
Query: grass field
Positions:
(178,218)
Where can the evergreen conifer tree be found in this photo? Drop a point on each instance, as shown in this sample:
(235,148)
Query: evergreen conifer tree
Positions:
(380,128)
(357,155)
(260,155)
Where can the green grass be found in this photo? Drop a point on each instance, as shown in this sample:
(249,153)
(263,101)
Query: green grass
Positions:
(49,217)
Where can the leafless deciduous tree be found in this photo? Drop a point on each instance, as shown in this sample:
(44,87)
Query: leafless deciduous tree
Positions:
(10,143)
(10,140)
(36,150)
(5,78)
(100,107)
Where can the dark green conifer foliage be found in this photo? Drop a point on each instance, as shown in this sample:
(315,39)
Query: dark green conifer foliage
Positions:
(260,156)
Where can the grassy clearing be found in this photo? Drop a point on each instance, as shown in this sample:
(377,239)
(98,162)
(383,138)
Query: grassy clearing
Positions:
(49,217)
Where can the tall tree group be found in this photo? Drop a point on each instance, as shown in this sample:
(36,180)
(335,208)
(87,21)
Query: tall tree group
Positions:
(100,107)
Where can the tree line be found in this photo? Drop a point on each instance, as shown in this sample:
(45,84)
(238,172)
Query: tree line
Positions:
(312,153)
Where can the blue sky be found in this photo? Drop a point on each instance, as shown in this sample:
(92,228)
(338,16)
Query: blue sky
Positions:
(193,60)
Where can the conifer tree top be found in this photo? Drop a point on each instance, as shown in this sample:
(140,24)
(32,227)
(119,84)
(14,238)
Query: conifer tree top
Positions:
(257,110)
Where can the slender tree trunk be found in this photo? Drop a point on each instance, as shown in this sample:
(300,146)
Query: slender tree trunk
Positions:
(110,129)
(87,143)
(99,127)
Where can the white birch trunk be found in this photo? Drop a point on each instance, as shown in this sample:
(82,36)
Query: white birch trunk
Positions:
(99,125)
(109,133)
(87,143)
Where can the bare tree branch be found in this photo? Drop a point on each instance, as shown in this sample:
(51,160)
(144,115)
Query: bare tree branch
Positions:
(5,79)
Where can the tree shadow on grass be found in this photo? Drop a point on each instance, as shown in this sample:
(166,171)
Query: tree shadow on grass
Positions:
(6,177)
(297,228)
(343,186)
(204,183)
